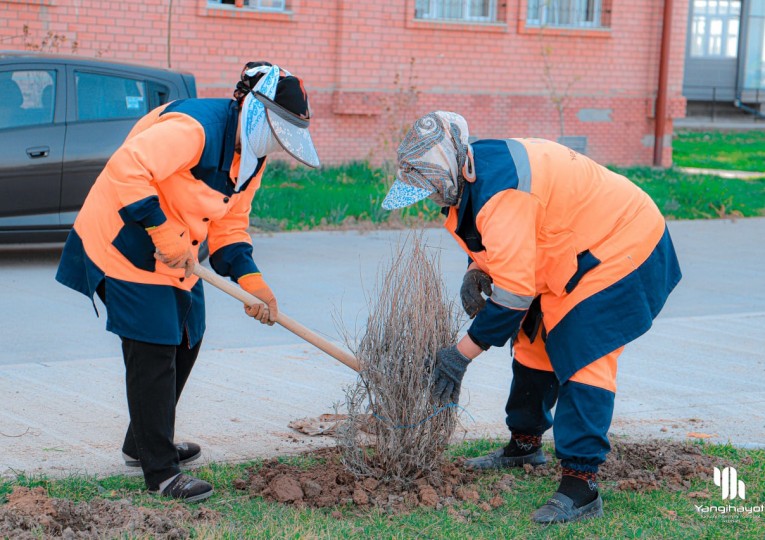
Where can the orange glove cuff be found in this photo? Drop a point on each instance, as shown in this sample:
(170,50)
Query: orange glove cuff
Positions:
(256,286)
(169,242)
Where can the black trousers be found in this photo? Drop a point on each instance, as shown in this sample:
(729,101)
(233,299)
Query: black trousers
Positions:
(582,418)
(155,377)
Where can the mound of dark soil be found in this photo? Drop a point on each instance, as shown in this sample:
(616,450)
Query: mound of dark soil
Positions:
(656,464)
(329,484)
(648,466)
(31,514)
(630,467)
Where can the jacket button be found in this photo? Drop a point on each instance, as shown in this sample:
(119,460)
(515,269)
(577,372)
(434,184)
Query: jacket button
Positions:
(195,242)
(205,219)
(225,200)
(182,279)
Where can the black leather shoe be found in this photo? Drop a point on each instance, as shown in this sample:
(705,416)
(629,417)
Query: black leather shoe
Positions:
(187,452)
(498,460)
(561,509)
(187,488)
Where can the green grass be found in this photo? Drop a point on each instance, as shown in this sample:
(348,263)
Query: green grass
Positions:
(656,514)
(729,150)
(300,198)
(349,196)
(683,196)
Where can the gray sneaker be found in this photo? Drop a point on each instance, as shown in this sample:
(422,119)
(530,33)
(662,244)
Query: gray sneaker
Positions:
(561,509)
(498,460)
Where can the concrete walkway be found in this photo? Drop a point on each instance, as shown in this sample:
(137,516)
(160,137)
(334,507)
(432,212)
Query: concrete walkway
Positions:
(62,405)
(740,122)
(739,175)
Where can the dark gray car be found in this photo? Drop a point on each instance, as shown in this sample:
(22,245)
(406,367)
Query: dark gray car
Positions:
(61,118)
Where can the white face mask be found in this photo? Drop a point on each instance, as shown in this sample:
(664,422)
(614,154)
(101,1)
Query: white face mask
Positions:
(273,145)
(262,141)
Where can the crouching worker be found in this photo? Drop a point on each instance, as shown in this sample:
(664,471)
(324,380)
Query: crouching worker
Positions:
(186,172)
(577,262)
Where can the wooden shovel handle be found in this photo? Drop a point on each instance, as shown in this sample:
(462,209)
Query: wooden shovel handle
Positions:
(231,288)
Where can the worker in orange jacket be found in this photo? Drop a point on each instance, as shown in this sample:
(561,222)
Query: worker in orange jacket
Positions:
(186,172)
(576,262)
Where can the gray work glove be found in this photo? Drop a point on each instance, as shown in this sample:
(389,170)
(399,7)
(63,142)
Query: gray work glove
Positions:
(447,374)
(474,283)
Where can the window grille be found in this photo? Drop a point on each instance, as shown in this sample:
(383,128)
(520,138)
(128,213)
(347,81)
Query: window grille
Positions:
(259,5)
(567,13)
(457,10)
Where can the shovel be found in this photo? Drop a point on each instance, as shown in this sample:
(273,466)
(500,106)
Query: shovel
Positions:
(290,324)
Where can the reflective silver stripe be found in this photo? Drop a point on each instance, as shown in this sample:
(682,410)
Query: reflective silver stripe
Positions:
(522,165)
(510,300)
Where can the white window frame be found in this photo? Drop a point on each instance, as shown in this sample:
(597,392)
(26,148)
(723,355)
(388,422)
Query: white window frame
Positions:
(253,5)
(547,13)
(706,15)
(434,11)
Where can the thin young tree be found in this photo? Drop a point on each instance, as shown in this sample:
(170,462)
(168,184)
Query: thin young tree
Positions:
(410,319)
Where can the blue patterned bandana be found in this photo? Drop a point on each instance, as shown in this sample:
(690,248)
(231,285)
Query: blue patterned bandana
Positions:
(257,138)
(430,162)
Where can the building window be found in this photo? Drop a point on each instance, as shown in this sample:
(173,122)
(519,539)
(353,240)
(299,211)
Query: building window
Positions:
(568,13)
(457,10)
(714,28)
(259,5)
(754,49)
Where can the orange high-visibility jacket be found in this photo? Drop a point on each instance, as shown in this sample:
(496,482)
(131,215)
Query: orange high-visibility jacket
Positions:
(178,165)
(543,220)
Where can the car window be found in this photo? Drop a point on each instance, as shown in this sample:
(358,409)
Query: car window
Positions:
(27,97)
(106,97)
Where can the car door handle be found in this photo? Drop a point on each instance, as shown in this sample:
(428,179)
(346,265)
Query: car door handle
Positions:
(38,151)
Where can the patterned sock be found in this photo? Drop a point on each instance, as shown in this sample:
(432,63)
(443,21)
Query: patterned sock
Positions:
(522,445)
(581,487)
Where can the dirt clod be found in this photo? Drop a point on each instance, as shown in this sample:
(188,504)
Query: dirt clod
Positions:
(467,494)
(428,496)
(360,497)
(240,484)
(285,488)
(311,489)
(371,484)
(506,483)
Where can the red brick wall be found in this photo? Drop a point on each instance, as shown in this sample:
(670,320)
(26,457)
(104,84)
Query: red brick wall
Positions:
(370,68)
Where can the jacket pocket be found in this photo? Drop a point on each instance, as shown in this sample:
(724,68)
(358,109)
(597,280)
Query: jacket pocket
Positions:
(585,261)
(533,322)
(135,244)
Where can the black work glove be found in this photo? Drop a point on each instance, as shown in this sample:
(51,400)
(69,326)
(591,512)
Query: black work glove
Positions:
(474,283)
(447,375)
